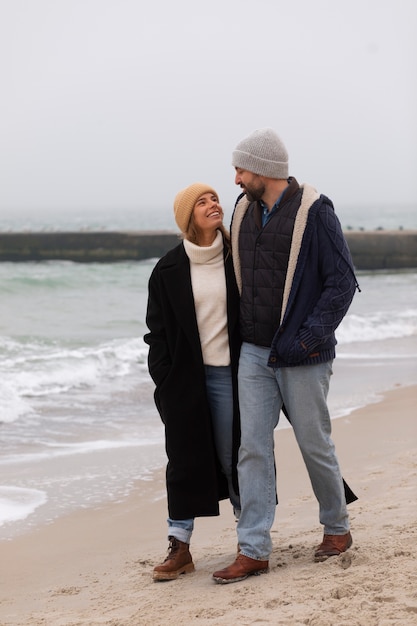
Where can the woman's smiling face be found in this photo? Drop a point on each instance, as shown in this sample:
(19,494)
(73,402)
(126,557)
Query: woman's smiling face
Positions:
(207,213)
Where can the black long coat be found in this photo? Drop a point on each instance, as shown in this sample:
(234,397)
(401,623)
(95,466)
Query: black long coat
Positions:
(195,483)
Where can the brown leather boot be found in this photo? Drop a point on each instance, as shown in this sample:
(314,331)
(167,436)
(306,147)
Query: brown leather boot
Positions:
(179,561)
(242,567)
(332,545)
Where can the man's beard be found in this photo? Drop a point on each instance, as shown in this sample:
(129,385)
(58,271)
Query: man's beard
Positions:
(254,193)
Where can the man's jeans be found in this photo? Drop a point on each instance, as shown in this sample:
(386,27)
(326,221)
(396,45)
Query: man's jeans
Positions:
(220,398)
(262,392)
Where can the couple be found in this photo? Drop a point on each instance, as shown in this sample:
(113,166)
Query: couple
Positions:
(246,324)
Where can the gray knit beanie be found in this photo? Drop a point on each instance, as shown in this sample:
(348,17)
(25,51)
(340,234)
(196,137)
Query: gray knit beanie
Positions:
(263,153)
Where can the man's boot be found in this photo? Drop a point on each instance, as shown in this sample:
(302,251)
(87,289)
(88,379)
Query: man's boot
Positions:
(179,561)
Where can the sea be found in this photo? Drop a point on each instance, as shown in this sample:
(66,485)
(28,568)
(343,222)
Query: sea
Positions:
(78,425)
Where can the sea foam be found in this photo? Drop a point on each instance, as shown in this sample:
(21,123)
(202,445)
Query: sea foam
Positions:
(35,369)
(377,326)
(17,503)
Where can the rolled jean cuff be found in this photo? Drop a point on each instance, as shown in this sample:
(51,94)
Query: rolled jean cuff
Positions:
(180,534)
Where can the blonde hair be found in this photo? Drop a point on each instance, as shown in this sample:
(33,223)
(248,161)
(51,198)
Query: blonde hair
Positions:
(191,234)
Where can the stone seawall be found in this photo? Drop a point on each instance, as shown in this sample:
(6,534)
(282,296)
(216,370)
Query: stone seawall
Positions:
(370,250)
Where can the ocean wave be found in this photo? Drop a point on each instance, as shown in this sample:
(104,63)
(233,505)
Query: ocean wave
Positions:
(377,326)
(55,449)
(12,404)
(17,503)
(34,369)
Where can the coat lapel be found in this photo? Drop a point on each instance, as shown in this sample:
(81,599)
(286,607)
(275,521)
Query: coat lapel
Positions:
(177,281)
(232,293)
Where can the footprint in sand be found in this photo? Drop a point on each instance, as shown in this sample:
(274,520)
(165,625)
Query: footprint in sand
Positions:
(345,560)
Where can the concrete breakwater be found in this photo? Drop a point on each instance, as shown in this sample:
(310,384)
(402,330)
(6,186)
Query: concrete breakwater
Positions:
(371,250)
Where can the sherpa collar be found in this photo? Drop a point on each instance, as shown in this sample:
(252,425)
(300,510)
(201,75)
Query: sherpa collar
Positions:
(309,196)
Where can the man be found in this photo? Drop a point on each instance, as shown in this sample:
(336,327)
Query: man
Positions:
(296,279)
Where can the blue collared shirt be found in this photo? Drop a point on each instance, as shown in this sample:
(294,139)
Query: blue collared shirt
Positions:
(266,214)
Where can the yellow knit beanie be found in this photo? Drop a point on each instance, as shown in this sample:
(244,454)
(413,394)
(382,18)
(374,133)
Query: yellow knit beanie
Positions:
(185,200)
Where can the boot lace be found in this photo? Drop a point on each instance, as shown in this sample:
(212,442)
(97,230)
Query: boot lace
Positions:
(172,549)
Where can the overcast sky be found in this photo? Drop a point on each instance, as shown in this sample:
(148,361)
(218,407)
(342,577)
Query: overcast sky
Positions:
(120,103)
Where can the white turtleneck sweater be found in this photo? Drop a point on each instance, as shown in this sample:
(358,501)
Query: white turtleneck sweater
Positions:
(209,288)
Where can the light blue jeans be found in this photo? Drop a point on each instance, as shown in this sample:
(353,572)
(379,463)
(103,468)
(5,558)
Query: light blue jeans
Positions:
(220,399)
(262,392)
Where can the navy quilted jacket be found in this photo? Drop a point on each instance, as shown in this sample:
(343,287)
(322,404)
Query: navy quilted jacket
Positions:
(319,287)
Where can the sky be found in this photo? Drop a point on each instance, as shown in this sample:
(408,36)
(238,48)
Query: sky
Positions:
(118,104)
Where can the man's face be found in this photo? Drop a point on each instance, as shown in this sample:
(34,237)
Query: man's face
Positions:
(252,184)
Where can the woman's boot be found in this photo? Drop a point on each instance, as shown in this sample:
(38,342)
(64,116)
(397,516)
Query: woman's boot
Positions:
(179,561)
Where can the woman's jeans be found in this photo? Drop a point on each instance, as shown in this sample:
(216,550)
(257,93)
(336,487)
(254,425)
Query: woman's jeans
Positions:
(220,398)
(262,392)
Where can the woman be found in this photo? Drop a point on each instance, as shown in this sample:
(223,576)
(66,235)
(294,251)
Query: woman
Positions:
(194,348)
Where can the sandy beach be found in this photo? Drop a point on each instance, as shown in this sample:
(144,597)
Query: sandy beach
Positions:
(95,566)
